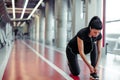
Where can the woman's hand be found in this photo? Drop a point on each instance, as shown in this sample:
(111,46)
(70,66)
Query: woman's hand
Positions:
(92,69)
(96,69)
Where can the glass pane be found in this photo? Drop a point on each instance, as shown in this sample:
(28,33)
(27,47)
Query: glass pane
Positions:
(112,24)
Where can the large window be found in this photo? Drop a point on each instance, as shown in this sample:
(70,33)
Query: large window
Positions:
(112,23)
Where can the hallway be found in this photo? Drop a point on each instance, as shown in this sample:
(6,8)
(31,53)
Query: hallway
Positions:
(24,64)
(33,61)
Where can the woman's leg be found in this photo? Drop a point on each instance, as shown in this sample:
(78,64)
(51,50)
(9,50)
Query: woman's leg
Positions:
(93,55)
(72,61)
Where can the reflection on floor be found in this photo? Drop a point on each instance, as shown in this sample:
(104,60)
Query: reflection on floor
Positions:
(33,61)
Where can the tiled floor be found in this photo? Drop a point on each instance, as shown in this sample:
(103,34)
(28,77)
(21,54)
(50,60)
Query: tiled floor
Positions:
(4,55)
(32,61)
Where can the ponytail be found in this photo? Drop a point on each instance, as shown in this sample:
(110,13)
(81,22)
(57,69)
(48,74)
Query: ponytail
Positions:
(95,23)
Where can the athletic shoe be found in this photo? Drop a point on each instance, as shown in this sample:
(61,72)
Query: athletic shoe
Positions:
(94,76)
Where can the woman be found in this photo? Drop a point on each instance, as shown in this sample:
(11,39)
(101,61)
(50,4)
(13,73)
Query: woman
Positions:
(87,40)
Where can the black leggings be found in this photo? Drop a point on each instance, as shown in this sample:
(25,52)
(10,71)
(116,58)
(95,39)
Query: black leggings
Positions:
(73,60)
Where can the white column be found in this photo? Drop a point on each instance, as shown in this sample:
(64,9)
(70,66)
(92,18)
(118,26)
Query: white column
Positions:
(37,26)
(32,29)
(61,23)
(42,26)
(99,8)
(77,19)
(49,22)
(86,12)
(94,9)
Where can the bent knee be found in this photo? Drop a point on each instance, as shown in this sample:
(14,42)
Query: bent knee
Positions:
(76,73)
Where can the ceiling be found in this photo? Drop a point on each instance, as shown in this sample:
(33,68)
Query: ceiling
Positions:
(19,4)
(15,9)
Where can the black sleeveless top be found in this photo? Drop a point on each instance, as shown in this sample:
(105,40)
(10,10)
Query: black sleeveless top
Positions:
(87,41)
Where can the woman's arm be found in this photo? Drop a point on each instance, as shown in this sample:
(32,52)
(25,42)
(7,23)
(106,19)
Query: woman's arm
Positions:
(82,54)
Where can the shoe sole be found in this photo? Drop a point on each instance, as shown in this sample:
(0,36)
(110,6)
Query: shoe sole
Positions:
(94,78)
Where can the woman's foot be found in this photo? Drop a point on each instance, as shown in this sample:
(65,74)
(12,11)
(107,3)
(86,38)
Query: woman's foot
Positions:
(94,76)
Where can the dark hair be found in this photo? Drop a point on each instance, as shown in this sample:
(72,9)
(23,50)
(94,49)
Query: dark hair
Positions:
(95,23)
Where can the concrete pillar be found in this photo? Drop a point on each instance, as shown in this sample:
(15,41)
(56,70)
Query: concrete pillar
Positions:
(99,8)
(42,26)
(37,26)
(29,30)
(77,19)
(49,27)
(61,23)
(8,33)
(86,12)
(32,30)
(93,8)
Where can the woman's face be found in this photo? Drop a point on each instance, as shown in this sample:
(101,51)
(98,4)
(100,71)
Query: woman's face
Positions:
(94,32)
